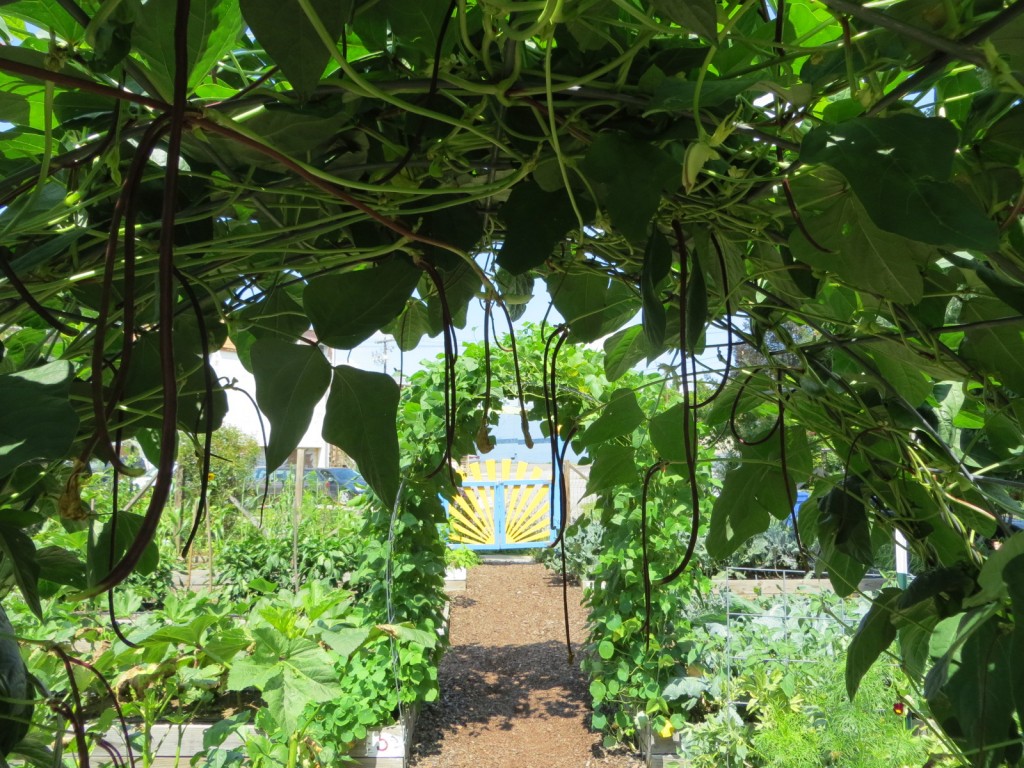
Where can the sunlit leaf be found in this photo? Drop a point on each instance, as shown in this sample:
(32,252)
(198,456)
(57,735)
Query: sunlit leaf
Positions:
(620,417)
(48,16)
(347,309)
(361,412)
(899,168)
(38,421)
(346,640)
(290,674)
(290,380)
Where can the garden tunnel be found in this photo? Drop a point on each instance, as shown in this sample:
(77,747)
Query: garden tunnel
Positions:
(835,187)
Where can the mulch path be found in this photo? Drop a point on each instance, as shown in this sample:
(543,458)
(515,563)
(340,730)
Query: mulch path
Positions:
(509,697)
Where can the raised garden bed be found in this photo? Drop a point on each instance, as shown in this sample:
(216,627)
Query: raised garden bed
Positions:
(752,587)
(455,579)
(659,751)
(174,745)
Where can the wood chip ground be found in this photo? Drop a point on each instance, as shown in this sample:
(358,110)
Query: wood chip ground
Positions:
(509,697)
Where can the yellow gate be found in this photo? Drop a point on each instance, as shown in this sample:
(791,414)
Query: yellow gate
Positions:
(503,504)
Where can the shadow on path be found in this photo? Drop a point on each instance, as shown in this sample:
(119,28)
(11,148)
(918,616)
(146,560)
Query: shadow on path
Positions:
(489,688)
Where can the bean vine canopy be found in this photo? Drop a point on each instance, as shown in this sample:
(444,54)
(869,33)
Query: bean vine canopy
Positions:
(837,185)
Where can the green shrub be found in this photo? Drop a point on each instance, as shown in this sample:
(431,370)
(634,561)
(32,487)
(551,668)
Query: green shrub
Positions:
(774,549)
(822,727)
(257,555)
(747,683)
(631,664)
(461,557)
(766,688)
(582,549)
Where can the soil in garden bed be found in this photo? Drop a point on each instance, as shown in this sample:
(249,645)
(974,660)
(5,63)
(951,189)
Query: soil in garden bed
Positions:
(509,697)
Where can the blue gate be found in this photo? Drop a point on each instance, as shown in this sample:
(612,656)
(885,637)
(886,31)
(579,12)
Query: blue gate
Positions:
(503,505)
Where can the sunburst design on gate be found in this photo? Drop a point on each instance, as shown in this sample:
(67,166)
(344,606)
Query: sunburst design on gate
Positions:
(501,502)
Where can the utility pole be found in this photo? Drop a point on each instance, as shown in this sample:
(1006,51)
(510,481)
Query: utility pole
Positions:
(384,353)
(300,460)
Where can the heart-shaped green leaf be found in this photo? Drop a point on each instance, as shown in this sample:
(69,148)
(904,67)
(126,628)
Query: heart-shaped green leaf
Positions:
(290,380)
(361,412)
(347,309)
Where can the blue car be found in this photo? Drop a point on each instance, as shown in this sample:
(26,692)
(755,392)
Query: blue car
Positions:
(314,479)
(801,497)
(350,482)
